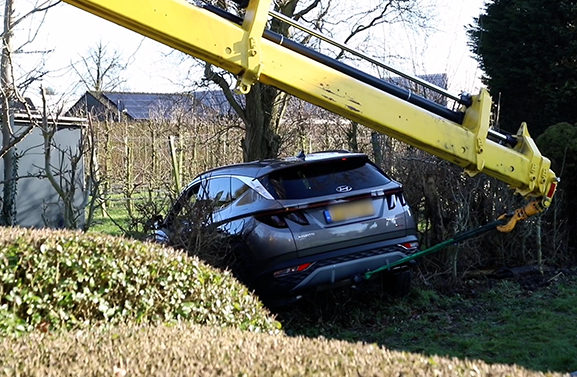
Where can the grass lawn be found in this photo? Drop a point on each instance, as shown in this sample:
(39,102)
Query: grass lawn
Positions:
(113,222)
(116,221)
(495,321)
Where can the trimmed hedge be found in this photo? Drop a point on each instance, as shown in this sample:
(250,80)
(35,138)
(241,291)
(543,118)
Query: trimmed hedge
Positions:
(191,350)
(62,279)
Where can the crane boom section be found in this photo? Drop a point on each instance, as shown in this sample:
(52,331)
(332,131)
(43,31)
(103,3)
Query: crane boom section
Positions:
(241,50)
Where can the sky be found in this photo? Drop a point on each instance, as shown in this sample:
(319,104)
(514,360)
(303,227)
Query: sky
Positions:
(69,33)
(447,50)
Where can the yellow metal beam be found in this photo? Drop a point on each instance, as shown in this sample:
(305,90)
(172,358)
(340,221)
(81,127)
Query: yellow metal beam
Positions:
(254,23)
(200,33)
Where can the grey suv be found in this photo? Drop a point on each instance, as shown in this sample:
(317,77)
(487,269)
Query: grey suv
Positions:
(304,223)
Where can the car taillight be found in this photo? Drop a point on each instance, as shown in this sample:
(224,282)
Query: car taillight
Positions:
(394,195)
(298,217)
(279,220)
(276,221)
(403,200)
(292,270)
(411,247)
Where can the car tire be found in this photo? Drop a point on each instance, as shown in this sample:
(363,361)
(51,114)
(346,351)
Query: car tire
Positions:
(397,284)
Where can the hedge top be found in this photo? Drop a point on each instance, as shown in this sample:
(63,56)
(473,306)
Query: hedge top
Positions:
(66,279)
(191,350)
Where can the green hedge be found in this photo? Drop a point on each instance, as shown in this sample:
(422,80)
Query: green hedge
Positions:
(56,279)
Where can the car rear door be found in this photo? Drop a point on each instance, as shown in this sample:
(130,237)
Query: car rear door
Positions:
(338,203)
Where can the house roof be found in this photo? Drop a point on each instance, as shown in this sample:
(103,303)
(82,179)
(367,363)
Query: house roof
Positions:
(141,106)
(20,107)
(144,106)
(439,79)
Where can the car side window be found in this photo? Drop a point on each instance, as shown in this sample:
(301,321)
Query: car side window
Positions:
(237,188)
(190,202)
(219,192)
(184,203)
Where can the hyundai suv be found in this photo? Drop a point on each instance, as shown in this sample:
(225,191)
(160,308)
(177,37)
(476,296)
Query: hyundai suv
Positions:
(303,223)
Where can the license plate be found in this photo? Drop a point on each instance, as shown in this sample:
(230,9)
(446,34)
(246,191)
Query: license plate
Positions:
(349,211)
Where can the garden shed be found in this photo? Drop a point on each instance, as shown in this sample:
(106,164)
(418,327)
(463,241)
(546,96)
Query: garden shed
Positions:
(38,204)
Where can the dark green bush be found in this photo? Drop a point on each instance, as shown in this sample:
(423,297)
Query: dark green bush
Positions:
(61,279)
(559,144)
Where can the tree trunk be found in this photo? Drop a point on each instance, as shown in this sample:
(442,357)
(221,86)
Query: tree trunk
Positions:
(377,148)
(107,176)
(264,107)
(352,139)
(434,211)
(439,232)
(539,245)
(8,216)
(128,178)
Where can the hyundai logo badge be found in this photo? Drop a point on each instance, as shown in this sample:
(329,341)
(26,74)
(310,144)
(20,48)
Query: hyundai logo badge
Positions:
(344,188)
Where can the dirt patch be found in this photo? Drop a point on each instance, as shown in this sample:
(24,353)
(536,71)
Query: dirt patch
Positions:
(532,279)
(528,278)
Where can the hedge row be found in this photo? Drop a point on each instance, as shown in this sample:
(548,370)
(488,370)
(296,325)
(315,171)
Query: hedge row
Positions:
(62,279)
(191,350)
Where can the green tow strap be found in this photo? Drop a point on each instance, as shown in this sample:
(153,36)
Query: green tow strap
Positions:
(459,237)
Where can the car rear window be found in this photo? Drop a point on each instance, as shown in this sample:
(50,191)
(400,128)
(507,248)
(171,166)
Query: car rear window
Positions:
(324,178)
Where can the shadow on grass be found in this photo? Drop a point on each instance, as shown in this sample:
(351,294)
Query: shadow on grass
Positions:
(496,321)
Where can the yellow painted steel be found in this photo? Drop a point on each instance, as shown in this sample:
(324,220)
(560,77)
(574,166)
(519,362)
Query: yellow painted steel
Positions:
(254,23)
(242,51)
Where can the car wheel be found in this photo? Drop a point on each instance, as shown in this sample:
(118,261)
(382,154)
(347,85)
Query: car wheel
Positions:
(397,284)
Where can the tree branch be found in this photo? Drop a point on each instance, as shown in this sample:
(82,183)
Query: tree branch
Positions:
(42,8)
(361,28)
(297,16)
(221,82)
(23,134)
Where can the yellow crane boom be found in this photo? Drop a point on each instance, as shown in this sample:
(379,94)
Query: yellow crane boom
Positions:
(242,50)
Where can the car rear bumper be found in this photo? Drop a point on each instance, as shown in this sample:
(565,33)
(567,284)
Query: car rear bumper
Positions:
(332,268)
(351,270)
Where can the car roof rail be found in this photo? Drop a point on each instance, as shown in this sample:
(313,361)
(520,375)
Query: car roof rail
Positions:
(332,151)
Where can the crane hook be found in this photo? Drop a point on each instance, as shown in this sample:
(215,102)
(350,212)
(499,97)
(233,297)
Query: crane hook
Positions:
(520,214)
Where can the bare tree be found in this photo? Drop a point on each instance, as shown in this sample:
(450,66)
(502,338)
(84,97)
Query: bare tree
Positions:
(264,106)
(10,97)
(66,189)
(64,168)
(8,94)
(101,69)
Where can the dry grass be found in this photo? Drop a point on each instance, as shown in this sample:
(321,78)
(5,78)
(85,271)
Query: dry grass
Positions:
(194,350)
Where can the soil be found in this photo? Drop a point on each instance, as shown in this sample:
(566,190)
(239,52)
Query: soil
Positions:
(529,278)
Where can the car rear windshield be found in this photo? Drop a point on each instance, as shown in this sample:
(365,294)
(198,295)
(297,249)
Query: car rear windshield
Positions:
(324,178)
